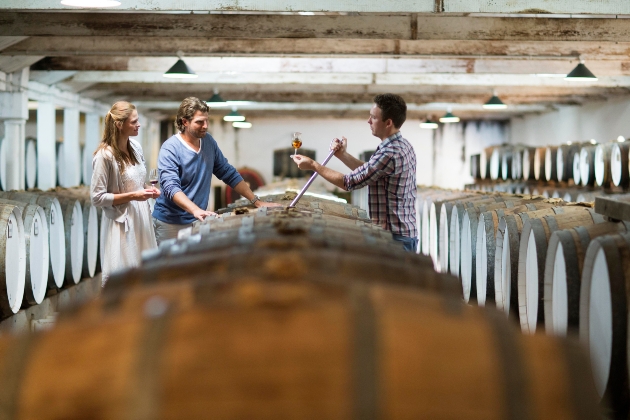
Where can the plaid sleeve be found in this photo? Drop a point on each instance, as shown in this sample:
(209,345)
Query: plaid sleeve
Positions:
(380,165)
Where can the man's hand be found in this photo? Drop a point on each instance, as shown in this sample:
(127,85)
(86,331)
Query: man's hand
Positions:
(303,162)
(339,146)
(144,195)
(202,214)
(156,192)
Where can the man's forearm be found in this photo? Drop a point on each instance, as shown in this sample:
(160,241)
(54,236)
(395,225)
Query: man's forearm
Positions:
(243,189)
(332,176)
(184,202)
(350,161)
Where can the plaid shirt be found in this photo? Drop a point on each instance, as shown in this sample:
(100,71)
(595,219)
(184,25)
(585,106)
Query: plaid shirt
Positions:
(391,176)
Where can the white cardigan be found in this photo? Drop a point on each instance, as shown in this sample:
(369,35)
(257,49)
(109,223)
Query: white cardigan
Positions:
(107,181)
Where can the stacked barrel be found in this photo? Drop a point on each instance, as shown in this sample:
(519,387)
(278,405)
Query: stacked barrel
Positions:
(311,312)
(557,266)
(51,242)
(578,171)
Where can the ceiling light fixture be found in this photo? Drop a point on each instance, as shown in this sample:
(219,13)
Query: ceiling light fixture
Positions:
(494,103)
(593,141)
(234,116)
(180,70)
(241,124)
(621,139)
(216,100)
(91,3)
(428,124)
(449,118)
(581,73)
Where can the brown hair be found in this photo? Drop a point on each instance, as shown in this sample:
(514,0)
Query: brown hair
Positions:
(118,114)
(187,109)
(392,107)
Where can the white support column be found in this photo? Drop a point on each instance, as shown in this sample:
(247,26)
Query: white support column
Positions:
(92,139)
(14,112)
(71,173)
(46,146)
(14,176)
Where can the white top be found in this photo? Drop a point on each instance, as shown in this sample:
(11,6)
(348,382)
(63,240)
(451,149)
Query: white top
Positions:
(179,137)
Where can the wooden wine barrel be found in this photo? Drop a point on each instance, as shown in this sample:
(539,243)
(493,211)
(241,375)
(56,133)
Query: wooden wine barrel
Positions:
(539,163)
(56,232)
(475,163)
(587,165)
(619,168)
(444,240)
(532,255)
(506,256)
(435,214)
(528,163)
(485,245)
(484,162)
(577,167)
(604,317)
(36,249)
(30,162)
(61,163)
(455,238)
(551,163)
(601,165)
(91,228)
(73,223)
(12,259)
(507,156)
(293,349)
(563,273)
(425,240)
(468,250)
(564,161)
(517,162)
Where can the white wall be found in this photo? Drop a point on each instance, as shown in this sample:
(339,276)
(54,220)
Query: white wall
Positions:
(254,147)
(602,121)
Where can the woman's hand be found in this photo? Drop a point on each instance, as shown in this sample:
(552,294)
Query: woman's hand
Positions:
(145,194)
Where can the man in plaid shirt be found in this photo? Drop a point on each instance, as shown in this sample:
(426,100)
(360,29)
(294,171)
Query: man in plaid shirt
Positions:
(390,173)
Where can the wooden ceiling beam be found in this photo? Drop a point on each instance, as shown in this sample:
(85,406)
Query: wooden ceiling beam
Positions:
(309,6)
(366,26)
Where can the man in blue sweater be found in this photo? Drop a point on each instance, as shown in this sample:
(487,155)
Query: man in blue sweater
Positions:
(186,163)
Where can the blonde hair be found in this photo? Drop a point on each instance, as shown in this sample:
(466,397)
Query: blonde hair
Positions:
(187,109)
(119,113)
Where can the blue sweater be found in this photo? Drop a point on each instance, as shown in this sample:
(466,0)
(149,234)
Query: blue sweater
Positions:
(181,169)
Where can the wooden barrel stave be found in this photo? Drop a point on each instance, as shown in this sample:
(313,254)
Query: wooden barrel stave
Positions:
(532,253)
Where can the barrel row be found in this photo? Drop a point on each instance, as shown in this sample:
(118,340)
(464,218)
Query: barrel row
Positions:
(292,313)
(550,265)
(587,163)
(51,241)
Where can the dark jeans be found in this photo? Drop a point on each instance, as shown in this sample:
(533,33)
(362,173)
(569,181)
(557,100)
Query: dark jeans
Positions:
(410,244)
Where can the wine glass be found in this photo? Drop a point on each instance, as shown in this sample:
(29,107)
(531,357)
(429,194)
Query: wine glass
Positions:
(297,142)
(153,177)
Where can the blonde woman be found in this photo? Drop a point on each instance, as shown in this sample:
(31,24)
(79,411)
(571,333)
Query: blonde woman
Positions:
(118,188)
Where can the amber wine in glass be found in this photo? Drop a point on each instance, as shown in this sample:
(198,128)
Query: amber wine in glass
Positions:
(297,142)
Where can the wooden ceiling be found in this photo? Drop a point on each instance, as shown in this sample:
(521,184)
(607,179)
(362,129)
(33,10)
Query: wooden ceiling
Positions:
(322,58)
